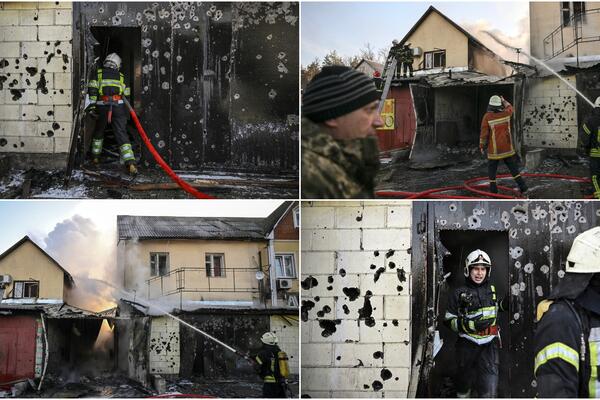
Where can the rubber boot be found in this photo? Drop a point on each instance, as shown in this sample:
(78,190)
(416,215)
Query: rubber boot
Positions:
(132,169)
(493,187)
(522,186)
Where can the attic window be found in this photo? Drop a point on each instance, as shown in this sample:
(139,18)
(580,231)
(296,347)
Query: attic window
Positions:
(26,289)
(297,217)
(159,264)
(215,265)
(435,59)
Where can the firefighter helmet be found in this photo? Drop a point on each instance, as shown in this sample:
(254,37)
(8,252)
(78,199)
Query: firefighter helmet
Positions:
(477,257)
(269,338)
(597,102)
(584,256)
(112,61)
(495,101)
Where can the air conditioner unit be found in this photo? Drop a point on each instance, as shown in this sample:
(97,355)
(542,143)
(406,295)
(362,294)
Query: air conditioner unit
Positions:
(284,283)
(292,301)
(417,51)
(5,279)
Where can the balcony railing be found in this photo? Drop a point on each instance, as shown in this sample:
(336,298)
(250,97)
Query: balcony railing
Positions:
(560,40)
(196,280)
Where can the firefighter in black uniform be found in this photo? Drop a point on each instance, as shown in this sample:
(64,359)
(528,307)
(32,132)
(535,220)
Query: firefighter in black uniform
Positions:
(406,58)
(472,313)
(106,90)
(269,367)
(567,337)
(590,138)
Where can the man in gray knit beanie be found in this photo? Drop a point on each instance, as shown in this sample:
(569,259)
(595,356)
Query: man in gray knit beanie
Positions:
(340,157)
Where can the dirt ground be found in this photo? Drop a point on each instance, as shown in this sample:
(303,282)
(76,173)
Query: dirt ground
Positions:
(113,385)
(111,181)
(401,175)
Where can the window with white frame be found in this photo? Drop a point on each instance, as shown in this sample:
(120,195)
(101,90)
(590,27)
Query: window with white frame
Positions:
(26,289)
(215,265)
(285,266)
(159,264)
(435,59)
(297,217)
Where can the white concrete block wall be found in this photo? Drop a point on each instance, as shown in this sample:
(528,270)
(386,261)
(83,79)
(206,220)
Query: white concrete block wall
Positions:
(550,114)
(360,247)
(164,346)
(288,336)
(35,77)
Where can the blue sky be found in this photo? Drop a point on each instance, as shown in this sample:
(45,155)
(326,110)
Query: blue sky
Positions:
(347,26)
(38,218)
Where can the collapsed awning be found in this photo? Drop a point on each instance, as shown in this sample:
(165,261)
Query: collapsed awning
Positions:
(57,311)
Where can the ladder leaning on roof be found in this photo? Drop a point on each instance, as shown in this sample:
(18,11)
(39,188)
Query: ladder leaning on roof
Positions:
(388,74)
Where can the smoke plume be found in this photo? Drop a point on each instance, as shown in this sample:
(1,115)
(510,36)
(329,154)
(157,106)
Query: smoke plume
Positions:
(482,30)
(89,255)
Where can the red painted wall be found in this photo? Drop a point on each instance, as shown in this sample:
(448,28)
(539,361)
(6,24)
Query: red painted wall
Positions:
(405,125)
(17,348)
(285,230)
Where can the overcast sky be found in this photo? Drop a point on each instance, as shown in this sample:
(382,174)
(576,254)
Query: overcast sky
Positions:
(38,218)
(347,26)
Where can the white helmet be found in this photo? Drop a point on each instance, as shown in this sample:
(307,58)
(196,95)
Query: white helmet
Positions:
(584,256)
(477,257)
(495,101)
(112,61)
(269,338)
(597,102)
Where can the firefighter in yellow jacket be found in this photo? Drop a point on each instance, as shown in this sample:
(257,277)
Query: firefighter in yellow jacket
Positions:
(106,90)
(567,336)
(272,367)
(496,137)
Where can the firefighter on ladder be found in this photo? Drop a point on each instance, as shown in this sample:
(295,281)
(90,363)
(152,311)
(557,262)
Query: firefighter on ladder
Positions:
(472,313)
(567,336)
(106,90)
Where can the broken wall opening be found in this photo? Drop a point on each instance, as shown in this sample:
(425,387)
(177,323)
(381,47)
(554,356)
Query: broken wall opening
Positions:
(460,244)
(74,349)
(449,122)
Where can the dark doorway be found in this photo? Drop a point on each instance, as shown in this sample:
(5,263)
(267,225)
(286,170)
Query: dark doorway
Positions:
(459,244)
(126,42)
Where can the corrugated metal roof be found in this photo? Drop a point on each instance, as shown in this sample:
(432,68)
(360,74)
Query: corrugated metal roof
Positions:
(465,78)
(58,310)
(151,227)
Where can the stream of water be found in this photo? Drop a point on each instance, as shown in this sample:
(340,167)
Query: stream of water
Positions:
(543,64)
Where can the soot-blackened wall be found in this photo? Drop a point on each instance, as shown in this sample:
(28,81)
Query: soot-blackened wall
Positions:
(217,82)
(540,235)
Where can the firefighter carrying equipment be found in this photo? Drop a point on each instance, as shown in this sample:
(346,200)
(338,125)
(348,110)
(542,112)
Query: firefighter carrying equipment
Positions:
(584,256)
(273,364)
(476,322)
(477,257)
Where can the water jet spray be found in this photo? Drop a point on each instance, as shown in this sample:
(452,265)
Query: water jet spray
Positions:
(543,64)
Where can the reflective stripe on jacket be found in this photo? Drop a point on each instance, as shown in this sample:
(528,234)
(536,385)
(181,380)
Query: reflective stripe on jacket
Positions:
(485,307)
(591,134)
(558,367)
(107,82)
(496,132)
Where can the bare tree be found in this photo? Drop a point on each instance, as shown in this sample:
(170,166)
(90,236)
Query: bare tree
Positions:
(333,58)
(368,53)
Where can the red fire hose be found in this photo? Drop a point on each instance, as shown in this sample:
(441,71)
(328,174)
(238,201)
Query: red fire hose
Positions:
(183,184)
(470,186)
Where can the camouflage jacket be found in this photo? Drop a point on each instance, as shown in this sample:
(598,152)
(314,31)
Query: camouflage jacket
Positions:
(336,169)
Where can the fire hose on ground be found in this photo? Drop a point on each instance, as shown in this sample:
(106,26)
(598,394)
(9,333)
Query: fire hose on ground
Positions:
(478,189)
(182,184)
